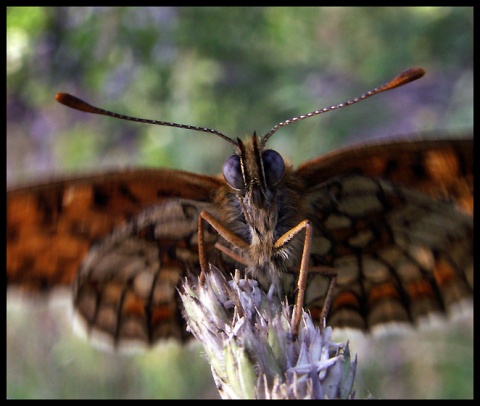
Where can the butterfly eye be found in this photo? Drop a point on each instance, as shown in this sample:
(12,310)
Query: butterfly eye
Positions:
(273,166)
(232,172)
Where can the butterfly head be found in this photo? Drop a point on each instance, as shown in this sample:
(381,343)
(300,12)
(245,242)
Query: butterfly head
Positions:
(253,172)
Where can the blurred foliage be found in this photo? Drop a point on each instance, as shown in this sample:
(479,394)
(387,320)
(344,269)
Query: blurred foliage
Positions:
(233,69)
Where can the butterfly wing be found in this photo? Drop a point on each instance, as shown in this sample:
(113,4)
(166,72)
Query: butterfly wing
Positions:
(364,204)
(51,227)
(125,290)
(441,169)
(395,222)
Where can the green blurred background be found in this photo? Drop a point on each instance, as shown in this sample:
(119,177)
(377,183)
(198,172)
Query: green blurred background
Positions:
(236,70)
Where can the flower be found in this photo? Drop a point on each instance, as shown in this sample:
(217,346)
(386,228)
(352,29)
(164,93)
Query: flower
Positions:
(248,339)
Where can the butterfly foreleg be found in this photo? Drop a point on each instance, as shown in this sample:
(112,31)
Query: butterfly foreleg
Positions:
(302,277)
(303,273)
(224,232)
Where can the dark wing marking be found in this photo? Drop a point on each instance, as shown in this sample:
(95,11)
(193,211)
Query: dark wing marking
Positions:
(50,227)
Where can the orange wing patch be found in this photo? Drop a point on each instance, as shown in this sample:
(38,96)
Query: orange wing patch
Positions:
(51,227)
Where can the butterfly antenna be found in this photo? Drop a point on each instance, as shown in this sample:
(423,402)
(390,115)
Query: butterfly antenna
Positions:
(403,78)
(78,104)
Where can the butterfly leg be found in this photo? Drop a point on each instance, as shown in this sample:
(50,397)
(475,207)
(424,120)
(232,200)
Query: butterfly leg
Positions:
(302,277)
(220,229)
(328,300)
(228,252)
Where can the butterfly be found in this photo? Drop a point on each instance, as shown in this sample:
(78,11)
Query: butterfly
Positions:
(392,220)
